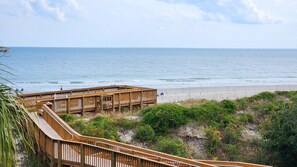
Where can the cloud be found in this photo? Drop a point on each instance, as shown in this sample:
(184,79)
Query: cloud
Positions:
(57,9)
(237,11)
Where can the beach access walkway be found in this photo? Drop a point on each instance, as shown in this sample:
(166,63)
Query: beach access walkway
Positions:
(60,145)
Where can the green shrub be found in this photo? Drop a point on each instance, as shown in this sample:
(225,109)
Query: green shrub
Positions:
(263,96)
(228,105)
(68,117)
(101,127)
(245,118)
(78,125)
(280,137)
(264,108)
(288,94)
(232,151)
(164,117)
(242,103)
(126,123)
(213,141)
(170,146)
(145,133)
(211,113)
(231,134)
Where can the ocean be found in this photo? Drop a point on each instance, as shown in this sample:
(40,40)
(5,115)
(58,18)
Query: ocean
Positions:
(43,69)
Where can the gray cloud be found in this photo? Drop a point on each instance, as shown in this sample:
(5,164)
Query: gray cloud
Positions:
(237,11)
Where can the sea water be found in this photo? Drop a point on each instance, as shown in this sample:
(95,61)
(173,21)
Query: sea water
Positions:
(42,69)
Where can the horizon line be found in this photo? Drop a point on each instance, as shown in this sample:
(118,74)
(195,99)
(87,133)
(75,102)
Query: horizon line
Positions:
(91,47)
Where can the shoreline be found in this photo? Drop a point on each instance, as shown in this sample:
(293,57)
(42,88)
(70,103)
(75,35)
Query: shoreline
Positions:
(173,95)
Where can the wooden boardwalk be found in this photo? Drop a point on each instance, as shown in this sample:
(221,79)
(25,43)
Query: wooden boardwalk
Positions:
(61,145)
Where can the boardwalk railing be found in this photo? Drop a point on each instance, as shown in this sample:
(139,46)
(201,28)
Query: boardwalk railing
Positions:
(96,99)
(65,152)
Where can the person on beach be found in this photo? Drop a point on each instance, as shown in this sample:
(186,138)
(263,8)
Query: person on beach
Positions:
(61,88)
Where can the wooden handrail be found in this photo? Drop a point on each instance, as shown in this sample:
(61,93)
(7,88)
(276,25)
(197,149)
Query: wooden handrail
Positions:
(232,163)
(56,156)
(124,87)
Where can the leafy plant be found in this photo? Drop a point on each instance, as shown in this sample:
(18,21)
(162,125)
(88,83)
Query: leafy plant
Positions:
(245,118)
(213,141)
(170,146)
(263,96)
(212,114)
(145,133)
(126,123)
(68,117)
(164,117)
(101,127)
(280,137)
(15,123)
(228,105)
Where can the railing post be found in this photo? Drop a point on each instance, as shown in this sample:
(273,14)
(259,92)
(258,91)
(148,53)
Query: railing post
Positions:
(139,162)
(68,105)
(141,96)
(119,102)
(113,102)
(59,153)
(52,153)
(44,149)
(113,159)
(130,101)
(156,97)
(39,149)
(101,103)
(82,155)
(83,106)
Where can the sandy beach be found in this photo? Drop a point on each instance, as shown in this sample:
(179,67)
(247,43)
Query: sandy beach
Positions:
(217,93)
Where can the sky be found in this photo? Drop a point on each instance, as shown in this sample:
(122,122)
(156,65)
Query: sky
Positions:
(149,23)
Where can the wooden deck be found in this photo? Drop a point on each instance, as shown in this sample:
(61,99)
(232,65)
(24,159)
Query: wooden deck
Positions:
(60,145)
(96,99)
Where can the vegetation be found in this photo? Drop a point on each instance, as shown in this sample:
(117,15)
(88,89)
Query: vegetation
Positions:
(145,133)
(164,117)
(170,146)
(126,123)
(99,126)
(280,137)
(14,123)
(258,129)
